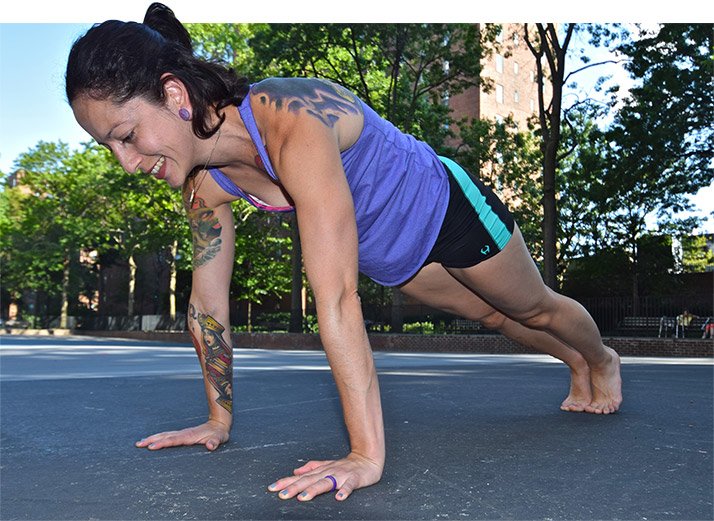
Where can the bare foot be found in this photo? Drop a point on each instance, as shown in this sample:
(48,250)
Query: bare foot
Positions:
(606,386)
(580,393)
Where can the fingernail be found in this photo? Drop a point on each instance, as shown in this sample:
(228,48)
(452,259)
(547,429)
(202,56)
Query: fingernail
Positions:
(341,495)
(151,446)
(272,487)
(284,493)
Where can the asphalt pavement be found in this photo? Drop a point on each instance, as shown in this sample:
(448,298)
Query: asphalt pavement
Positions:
(468,437)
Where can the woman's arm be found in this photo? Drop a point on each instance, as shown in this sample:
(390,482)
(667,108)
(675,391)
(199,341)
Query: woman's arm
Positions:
(308,162)
(208,323)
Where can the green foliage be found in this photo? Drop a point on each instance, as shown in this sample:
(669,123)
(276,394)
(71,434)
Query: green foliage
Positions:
(226,43)
(661,140)
(262,254)
(46,218)
(423,328)
(696,255)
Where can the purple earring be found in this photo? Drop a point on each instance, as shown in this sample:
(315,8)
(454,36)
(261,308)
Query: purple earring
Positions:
(184,114)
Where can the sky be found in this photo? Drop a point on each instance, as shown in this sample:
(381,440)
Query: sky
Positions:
(34,49)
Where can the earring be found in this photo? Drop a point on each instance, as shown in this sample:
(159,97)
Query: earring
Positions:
(184,114)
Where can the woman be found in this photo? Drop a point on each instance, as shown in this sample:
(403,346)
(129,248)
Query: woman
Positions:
(367,197)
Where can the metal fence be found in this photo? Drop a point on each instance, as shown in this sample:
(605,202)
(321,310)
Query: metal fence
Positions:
(611,314)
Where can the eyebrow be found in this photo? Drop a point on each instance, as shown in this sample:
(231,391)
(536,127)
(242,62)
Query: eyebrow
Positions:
(109,134)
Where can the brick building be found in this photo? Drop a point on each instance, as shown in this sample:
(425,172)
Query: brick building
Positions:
(511,87)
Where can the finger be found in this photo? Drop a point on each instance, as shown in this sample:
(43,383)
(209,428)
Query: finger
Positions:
(212,443)
(282,483)
(321,486)
(345,490)
(169,440)
(145,442)
(310,466)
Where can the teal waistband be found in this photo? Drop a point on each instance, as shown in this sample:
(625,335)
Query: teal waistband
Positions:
(495,227)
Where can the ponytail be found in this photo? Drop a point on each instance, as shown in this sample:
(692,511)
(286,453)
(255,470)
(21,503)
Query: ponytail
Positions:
(162,20)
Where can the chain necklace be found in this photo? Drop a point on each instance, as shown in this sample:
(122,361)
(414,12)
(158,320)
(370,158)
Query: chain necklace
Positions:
(195,188)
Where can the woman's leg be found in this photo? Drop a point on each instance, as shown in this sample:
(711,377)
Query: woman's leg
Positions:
(435,287)
(510,282)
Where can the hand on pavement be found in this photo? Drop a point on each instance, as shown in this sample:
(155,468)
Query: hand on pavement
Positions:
(211,434)
(311,479)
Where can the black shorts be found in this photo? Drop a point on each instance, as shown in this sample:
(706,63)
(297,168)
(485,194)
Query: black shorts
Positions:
(477,225)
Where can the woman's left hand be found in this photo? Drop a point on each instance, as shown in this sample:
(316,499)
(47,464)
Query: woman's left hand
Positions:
(311,479)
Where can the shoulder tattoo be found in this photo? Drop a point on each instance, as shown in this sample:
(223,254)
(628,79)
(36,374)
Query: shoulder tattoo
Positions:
(321,99)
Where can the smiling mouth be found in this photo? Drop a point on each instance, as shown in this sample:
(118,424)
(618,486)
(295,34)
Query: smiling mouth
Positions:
(158,166)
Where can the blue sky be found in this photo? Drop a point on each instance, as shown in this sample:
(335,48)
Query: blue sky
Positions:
(33,57)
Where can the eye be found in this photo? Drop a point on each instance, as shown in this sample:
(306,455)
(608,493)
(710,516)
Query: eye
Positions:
(128,138)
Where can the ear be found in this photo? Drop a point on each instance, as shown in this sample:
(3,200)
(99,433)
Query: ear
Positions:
(175,93)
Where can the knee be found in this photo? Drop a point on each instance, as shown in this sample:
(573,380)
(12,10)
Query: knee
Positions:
(493,320)
(540,314)
(539,320)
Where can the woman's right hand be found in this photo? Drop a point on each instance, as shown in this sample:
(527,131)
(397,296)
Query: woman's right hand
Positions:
(211,434)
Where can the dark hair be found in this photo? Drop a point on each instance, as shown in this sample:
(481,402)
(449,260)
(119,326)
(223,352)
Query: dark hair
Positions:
(122,60)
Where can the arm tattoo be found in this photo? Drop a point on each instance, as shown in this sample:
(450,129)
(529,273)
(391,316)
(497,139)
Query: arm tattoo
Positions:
(217,356)
(206,232)
(321,99)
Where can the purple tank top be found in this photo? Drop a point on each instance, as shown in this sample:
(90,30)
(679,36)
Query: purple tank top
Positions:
(400,192)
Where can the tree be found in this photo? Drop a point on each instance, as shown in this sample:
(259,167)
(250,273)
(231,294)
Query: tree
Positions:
(696,255)
(545,43)
(661,140)
(262,264)
(55,213)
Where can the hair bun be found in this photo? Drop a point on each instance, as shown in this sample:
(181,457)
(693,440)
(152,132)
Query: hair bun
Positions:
(162,20)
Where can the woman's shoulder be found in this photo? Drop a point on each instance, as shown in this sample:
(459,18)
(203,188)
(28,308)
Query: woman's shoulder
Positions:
(314,95)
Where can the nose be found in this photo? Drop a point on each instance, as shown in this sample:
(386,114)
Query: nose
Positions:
(128,159)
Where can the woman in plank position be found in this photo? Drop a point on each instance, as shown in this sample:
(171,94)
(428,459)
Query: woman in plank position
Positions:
(367,197)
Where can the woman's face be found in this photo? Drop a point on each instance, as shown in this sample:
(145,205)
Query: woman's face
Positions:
(142,136)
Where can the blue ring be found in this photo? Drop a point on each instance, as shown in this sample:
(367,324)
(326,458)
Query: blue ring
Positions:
(334,482)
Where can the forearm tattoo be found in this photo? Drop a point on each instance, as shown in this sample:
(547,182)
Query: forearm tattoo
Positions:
(206,232)
(217,355)
(321,99)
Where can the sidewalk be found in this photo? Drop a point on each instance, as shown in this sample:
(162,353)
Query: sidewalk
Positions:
(469,437)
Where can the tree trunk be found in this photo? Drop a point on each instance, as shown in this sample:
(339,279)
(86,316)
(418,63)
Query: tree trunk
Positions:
(132,286)
(546,45)
(172,281)
(635,279)
(296,293)
(64,313)
(250,317)
(550,217)
(397,323)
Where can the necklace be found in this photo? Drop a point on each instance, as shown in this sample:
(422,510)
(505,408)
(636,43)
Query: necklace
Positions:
(195,188)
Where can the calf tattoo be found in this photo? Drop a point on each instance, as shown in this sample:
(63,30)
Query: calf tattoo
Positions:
(217,356)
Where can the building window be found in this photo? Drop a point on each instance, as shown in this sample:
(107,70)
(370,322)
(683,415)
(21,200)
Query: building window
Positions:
(499,93)
(516,97)
(499,119)
(499,63)
(516,39)
(515,68)
(533,105)
(499,36)
(534,76)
